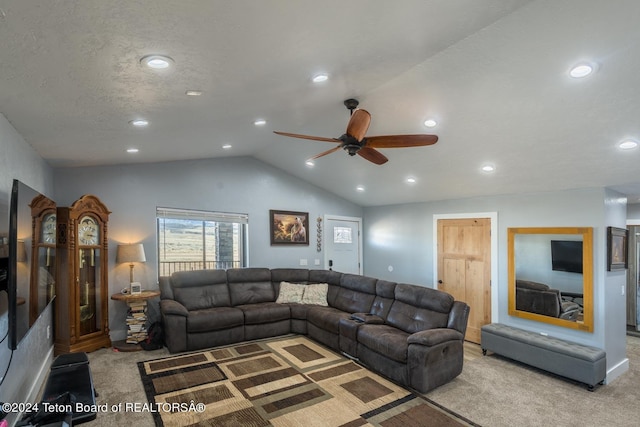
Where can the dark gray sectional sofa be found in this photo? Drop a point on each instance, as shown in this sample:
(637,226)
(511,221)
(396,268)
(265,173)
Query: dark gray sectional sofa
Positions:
(411,334)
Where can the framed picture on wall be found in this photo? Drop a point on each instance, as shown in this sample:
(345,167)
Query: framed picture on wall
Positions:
(617,248)
(289,228)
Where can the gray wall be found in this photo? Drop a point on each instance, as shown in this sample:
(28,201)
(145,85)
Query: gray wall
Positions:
(402,236)
(30,362)
(633,213)
(236,184)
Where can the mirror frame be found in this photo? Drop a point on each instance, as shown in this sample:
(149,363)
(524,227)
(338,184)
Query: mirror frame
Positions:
(587,275)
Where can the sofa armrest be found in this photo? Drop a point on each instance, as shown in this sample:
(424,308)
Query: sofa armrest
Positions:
(164,284)
(371,319)
(459,317)
(169,306)
(431,337)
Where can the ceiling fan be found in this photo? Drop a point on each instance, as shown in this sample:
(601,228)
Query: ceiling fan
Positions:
(354,141)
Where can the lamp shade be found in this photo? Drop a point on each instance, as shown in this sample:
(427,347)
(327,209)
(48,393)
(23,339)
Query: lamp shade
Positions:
(21,251)
(130,253)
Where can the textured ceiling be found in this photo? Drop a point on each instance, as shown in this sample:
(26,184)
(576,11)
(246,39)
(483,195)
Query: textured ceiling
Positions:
(492,72)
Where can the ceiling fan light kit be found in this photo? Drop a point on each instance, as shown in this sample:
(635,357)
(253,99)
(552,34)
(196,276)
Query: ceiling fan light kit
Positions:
(353,141)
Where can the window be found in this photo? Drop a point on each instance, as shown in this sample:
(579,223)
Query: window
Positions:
(196,240)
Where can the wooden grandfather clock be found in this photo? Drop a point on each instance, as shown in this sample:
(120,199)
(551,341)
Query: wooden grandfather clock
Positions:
(82,317)
(43,255)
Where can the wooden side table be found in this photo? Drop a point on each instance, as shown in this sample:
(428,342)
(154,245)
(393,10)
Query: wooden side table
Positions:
(136,319)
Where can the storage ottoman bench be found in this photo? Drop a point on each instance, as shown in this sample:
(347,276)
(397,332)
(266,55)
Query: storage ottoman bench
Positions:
(575,361)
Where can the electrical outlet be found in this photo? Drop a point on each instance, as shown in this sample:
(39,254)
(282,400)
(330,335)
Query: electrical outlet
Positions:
(303,261)
(316,261)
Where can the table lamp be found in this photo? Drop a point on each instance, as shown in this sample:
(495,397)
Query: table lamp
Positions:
(131,253)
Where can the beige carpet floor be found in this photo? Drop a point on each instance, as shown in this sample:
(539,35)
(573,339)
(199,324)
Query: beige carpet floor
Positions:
(495,391)
(491,391)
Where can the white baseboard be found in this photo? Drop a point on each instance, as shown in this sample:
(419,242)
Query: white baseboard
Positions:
(617,371)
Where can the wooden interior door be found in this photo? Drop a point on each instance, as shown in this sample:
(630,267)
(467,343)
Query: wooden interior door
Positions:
(464,267)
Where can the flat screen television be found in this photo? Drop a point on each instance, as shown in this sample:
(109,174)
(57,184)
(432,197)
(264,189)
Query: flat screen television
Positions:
(19,263)
(4,266)
(566,255)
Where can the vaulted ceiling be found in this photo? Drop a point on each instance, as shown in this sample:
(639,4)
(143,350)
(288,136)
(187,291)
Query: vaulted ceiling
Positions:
(494,74)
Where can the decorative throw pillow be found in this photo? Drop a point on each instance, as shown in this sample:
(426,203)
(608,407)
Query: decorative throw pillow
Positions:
(316,294)
(290,292)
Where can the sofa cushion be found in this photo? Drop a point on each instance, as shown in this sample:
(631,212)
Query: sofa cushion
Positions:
(250,286)
(325,276)
(423,297)
(355,294)
(386,289)
(291,275)
(417,308)
(290,292)
(411,319)
(265,312)
(214,319)
(201,289)
(299,311)
(326,318)
(315,293)
(386,340)
(528,284)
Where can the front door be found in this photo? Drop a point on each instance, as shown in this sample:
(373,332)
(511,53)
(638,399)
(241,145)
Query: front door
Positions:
(342,244)
(464,267)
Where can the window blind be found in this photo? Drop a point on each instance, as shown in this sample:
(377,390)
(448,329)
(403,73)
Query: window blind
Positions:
(175,213)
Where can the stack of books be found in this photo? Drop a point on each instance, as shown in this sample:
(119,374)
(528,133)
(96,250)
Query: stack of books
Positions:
(136,322)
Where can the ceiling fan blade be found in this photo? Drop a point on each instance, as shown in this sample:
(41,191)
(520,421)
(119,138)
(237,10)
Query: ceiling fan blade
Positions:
(324,153)
(395,141)
(314,138)
(372,155)
(359,124)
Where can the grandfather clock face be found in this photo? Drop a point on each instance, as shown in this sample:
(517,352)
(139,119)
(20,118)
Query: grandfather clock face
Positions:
(48,229)
(88,231)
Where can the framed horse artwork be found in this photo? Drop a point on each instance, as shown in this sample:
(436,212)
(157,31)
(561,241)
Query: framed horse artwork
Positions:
(289,227)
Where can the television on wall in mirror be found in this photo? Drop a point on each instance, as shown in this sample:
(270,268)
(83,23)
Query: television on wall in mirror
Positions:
(566,255)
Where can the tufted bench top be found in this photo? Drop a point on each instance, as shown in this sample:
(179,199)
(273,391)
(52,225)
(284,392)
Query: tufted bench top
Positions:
(579,351)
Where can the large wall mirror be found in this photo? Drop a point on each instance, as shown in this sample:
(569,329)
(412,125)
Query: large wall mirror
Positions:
(551,275)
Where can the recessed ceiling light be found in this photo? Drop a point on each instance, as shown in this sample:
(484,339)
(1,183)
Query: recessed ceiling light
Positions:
(360,188)
(430,123)
(260,122)
(310,163)
(488,168)
(227,146)
(319,78)
(140,123)
(411,180)
(581,70)
(628,144)
(194,92)
(132,150)
(157,62)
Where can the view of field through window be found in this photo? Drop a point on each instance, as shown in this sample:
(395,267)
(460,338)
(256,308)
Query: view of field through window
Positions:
(195,244)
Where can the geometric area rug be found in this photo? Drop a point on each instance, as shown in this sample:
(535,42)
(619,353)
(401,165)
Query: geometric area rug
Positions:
(285,381)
